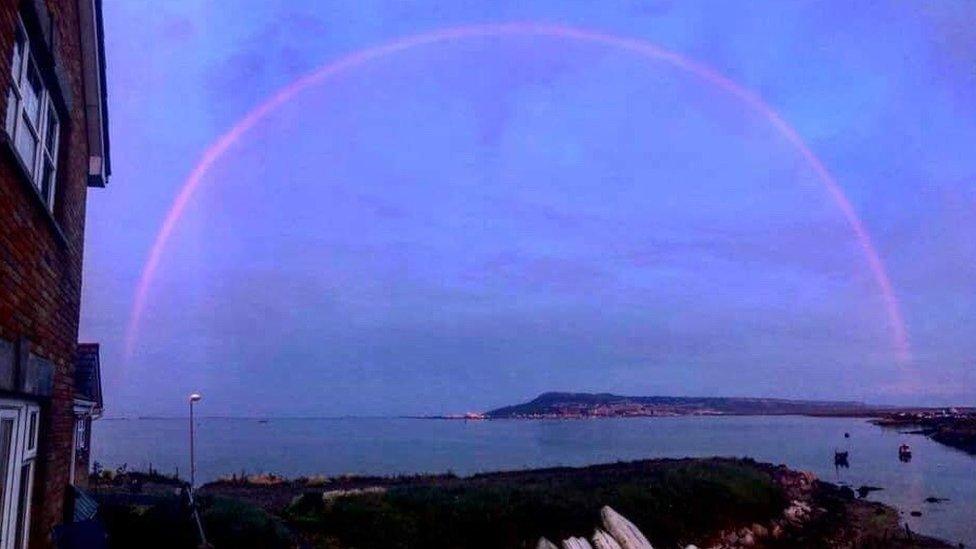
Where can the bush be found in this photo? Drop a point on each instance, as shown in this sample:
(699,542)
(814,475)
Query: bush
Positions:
(671,501)
(166,523)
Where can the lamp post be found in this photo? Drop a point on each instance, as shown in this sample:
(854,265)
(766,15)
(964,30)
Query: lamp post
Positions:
(195,397)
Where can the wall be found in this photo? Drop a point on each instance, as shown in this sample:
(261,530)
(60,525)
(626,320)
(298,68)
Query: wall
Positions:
(40,262)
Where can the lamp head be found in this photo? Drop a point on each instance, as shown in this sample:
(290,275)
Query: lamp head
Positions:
(195,397)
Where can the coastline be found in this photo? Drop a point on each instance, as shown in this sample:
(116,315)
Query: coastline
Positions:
(957,432)
(709,502)
(952,426)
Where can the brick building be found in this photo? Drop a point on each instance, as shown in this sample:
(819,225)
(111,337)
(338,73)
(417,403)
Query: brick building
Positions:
(53,147)
(87,407)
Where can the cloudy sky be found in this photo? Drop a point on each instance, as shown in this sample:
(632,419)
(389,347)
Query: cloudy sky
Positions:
(465,224)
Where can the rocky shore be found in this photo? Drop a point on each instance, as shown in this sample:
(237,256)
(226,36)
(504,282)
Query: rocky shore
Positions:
(956,429)
(818,515)
(705,503)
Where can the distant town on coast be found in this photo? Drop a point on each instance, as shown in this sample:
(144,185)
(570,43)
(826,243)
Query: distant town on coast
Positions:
(566,405)
(952,426)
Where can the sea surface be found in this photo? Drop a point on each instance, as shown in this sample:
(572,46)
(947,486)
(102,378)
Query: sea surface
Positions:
(383,446)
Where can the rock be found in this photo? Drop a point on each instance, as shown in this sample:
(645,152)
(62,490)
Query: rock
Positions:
(776,531)
(624,531)
(576,543)
(793,514)
(864,490)
(545,544)
(747,540)
(583,543)
(759,530)
(933,499)
(330,495)
(916,513)
(603,540)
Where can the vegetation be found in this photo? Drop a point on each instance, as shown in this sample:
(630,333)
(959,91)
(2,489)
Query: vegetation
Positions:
(158,522)
(955,428)
(674,502)
(677,501)
(575,405)
(959,434)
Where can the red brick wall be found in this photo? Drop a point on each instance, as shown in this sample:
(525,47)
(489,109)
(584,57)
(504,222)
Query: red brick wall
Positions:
(40,273)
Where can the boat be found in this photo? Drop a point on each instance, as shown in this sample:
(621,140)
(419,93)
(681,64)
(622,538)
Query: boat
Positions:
(905,453)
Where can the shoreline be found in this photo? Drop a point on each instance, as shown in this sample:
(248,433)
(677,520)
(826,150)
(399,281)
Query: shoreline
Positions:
(729,503)
(955,431)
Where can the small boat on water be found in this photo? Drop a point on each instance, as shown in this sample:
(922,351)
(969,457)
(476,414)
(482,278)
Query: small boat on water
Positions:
(840,459)
(905,453)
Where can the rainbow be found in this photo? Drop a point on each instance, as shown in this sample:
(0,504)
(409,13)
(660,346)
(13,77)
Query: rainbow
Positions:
(648,50)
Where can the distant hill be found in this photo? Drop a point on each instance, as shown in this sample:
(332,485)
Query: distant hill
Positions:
(576,405)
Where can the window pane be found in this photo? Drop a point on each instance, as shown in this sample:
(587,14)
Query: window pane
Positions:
(47,188)
(32,430)
(81,434)
(6,432)
(26,145)
(11,111)
(23,502)
(33,90)
(17,63)
(51,137)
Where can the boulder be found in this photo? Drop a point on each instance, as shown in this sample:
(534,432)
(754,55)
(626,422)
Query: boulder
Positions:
(622,530)
(545,544)
(603,540)
(576,543)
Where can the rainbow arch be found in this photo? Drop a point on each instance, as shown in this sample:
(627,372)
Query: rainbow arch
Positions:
(648,50)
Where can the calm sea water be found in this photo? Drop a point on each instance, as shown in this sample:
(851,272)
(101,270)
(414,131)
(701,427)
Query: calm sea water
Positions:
(293,447)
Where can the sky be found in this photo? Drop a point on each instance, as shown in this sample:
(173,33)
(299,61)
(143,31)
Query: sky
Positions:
(466,224)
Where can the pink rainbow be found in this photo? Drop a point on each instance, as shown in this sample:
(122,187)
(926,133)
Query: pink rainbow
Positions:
(219,147)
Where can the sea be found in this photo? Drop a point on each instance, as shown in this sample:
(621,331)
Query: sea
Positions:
(388,446)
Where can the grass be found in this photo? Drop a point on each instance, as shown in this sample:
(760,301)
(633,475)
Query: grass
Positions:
(166,523)
(673,502)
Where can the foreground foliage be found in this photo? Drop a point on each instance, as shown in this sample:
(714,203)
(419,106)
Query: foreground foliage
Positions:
(672,501)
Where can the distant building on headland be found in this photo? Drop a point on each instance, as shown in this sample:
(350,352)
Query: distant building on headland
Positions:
(53,146)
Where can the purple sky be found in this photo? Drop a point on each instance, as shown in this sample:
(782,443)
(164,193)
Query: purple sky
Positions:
(461,226)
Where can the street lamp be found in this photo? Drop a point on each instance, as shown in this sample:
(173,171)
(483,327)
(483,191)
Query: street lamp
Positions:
(195,397)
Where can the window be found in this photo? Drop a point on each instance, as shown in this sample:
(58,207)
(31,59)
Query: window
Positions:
(32,123)
(18,449)
(81,433)
(32,429)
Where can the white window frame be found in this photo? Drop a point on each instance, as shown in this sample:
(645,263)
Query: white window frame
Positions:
(23,454)
(85,415)
(81,433)
(17,121)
